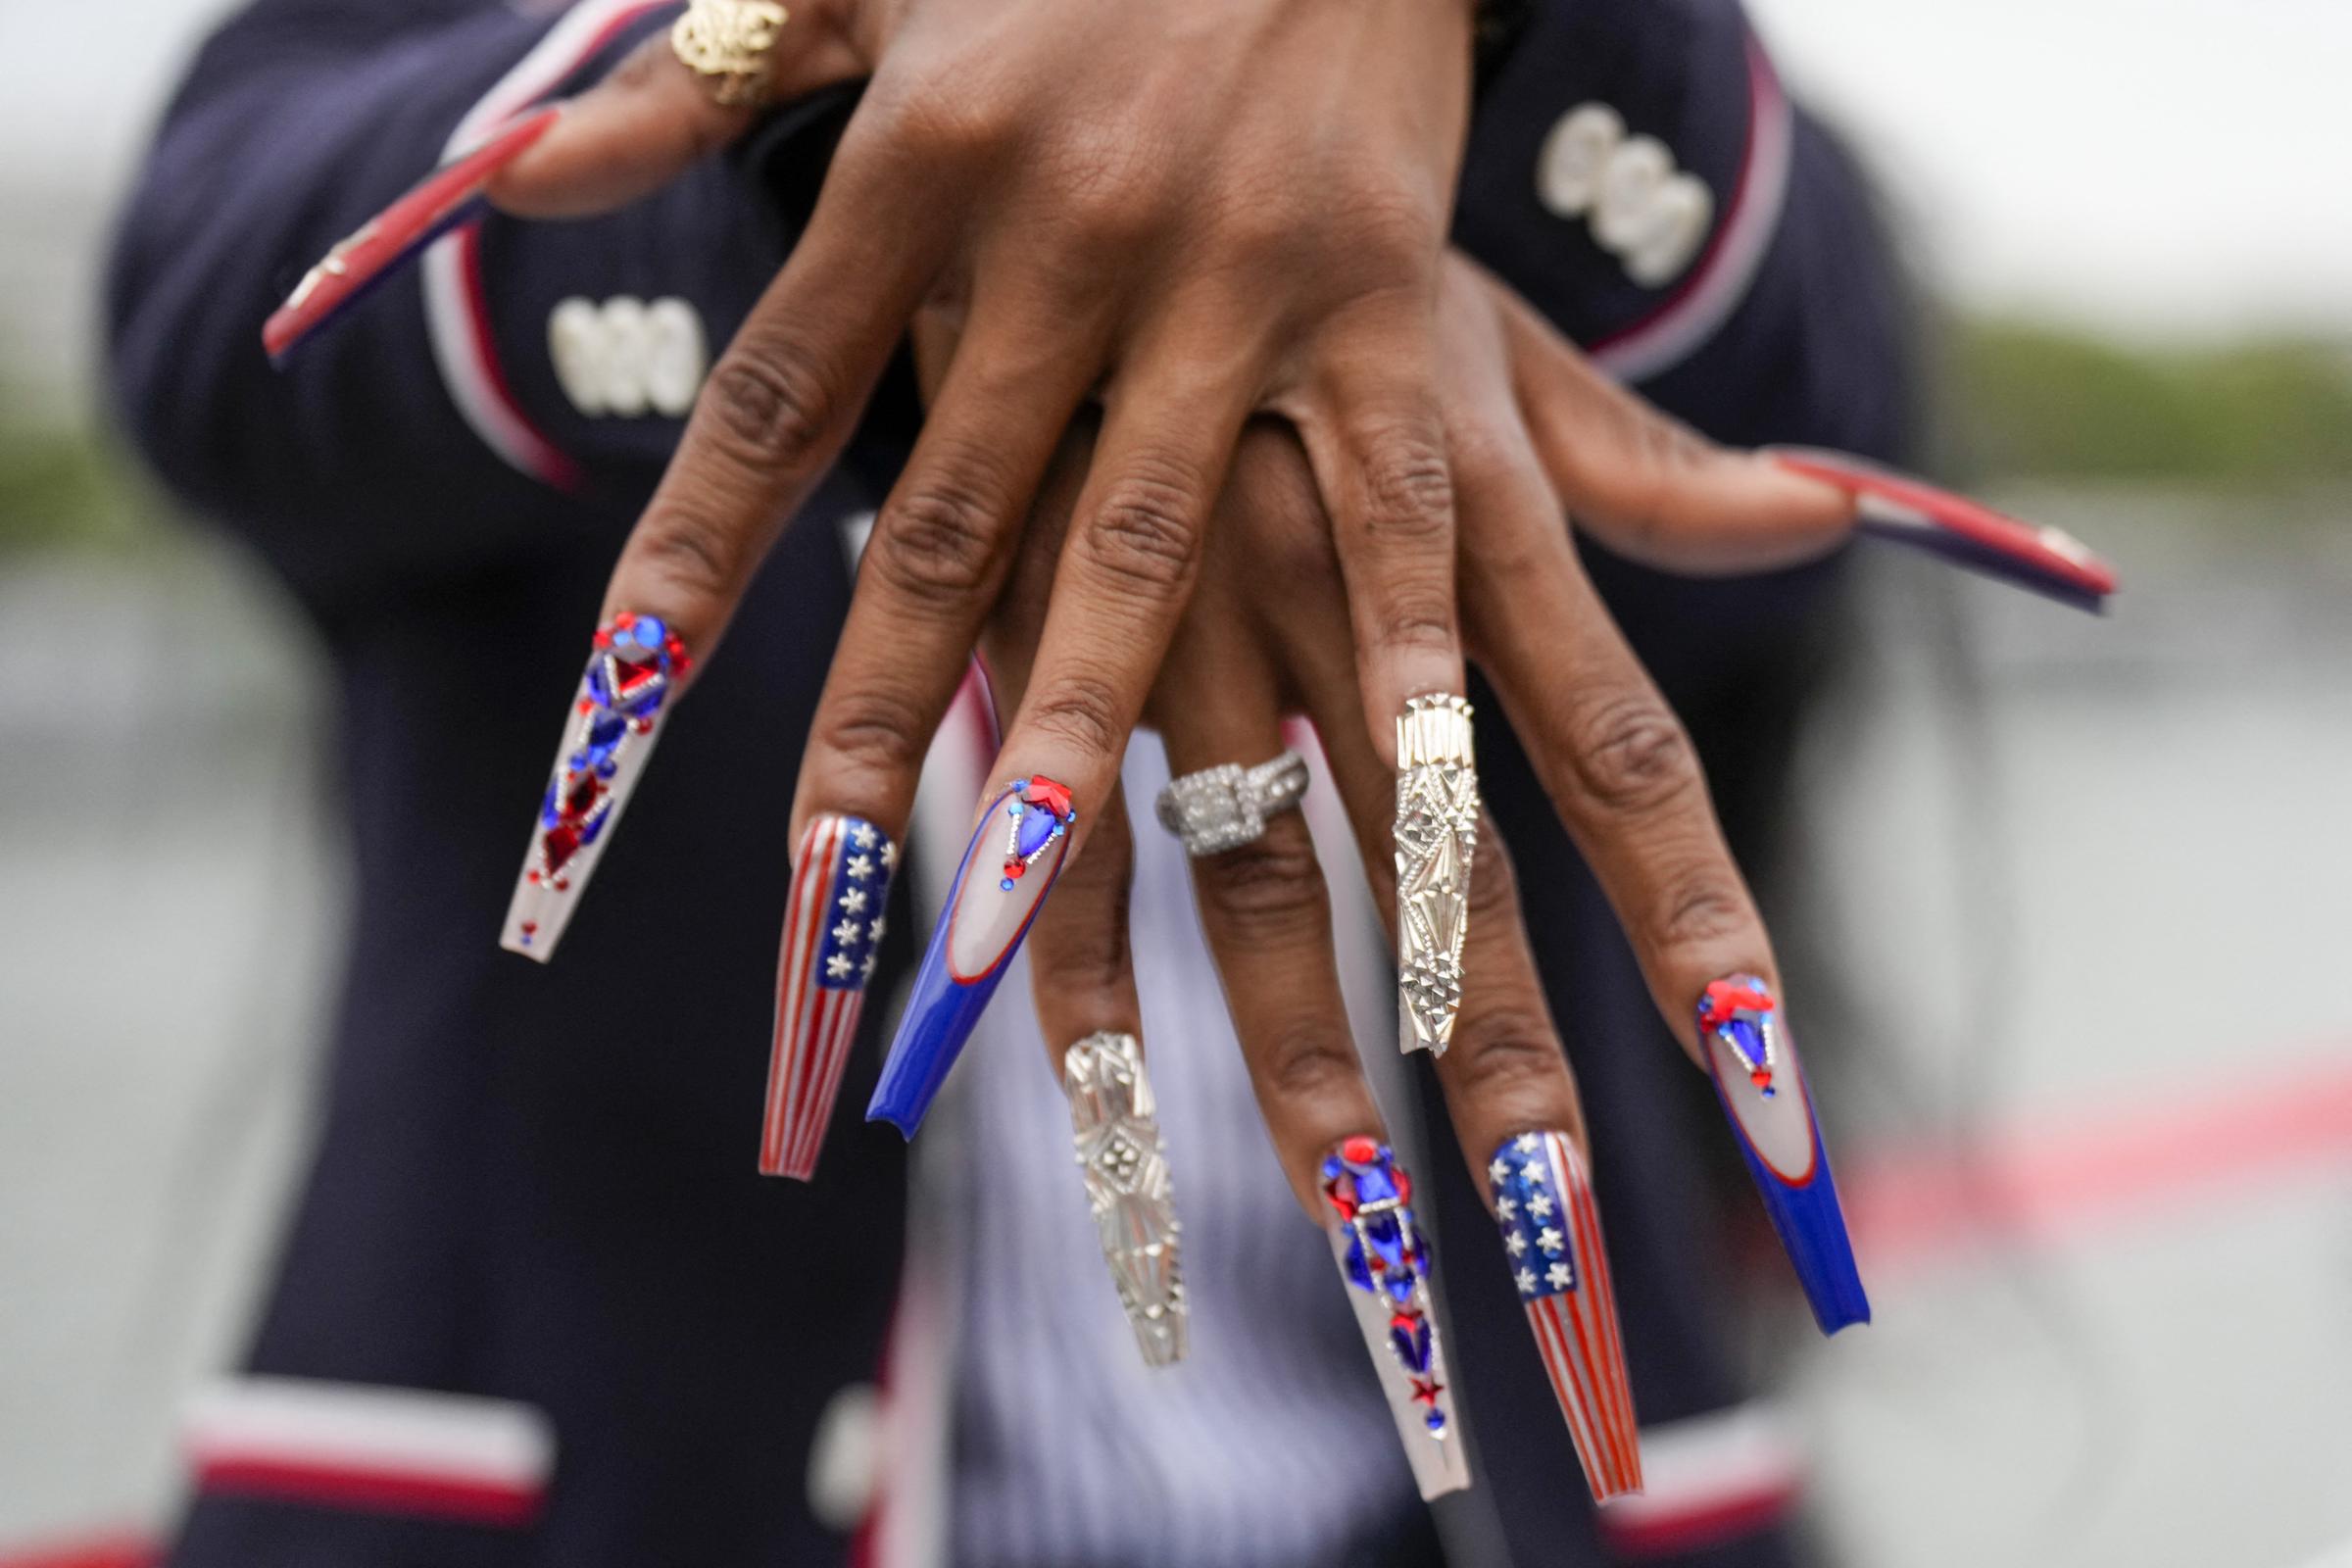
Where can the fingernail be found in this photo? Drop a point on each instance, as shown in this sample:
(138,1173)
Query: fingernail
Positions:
(1008,867)
(832,928)
(1763,1091)
(633,670)
(449,196)
(1551,1235)
(1385,1264)
(1436,833)
(1116,1123)
(1910,511)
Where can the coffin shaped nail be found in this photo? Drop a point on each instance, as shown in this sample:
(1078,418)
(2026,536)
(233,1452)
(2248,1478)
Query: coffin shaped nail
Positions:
(1551,1240)
(832,929)
(634,668)
(1115,1121)
(442,201)
(1387,1266)
(1437,836)
(1754,1062)
(1009,866)
(1910,511)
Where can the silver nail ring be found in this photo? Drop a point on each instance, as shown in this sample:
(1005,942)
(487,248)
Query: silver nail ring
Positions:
(1224,808)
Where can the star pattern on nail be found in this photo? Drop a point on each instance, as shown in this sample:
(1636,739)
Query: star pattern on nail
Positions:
(863,836)
(890,856)
(851,897)
(861,866)
(839,965)
(1546,1264)
(854,901)
(847,932)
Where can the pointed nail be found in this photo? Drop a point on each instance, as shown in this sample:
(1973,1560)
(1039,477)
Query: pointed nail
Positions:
(1754,1062)
(1436,834)
(440,202)
(1116,1125)
(1008,870)
(840,889)
(1387,1266)
(1910,511)
(634,667)
(1551,1234)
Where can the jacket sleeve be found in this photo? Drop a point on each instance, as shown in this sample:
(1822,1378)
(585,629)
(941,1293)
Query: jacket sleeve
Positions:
(429,428)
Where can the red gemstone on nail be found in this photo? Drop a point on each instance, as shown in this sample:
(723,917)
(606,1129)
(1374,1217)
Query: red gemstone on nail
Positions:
(1359,1151)
(1016,868)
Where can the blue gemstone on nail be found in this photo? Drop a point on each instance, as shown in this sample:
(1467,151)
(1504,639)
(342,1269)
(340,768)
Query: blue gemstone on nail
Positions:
(1374,1184)
(1036,831)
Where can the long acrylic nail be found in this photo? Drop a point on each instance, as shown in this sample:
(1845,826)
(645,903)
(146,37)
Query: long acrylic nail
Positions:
(634,667)
(840,888)
(1008,867)
(1551,1236)
(380,247)
(1437,835)
(1387,1266)
(1910,511)
(1754,1065)
(1116,1125)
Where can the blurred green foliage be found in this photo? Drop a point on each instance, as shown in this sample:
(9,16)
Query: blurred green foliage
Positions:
(60,485)
(2026,400)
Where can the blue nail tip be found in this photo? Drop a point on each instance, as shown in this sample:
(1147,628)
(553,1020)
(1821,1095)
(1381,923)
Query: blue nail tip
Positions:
(1740,1014)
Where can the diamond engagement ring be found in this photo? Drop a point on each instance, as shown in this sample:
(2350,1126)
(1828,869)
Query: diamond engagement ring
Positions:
(1224,808)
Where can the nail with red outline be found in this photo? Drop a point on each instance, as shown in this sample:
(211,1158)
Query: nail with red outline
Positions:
(446,199)
(1763,1091)
(1008,870)
(1385,1262)
(635,663)
(1910,511)
(832,930)
(1552,1238)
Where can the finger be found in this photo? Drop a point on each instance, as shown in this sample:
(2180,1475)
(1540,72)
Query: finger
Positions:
(1266,915)
(770,422)
(650,120)
(1621,772)
(1514,1109)
(1121,581)
(934,563)
(1645,484)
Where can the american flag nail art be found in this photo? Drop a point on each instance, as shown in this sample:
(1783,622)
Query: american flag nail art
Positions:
(1552,1238)
(832,930)
(1749,1055)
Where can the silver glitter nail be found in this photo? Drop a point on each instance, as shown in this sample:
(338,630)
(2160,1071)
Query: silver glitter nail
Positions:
(1128,1187)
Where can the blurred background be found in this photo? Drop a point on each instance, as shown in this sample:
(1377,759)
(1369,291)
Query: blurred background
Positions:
(2072,896)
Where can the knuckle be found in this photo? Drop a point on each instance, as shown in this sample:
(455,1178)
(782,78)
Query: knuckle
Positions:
(938,545)
(1630,755)
(1147,531)
(691,550)
(1505,1054)
(1084,712)
(1270,888)
(1416,617)
(772,404)
(1408,486)
(1704,908)
(1494,881)
(1089,957)
(872,733)
(1307,1060)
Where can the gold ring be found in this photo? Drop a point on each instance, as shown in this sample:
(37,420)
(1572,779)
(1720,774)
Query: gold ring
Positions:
(726,43)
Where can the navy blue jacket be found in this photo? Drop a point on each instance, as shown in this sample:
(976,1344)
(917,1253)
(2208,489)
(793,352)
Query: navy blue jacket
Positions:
(537,1183)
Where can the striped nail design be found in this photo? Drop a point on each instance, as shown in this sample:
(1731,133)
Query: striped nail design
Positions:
(634,667)
(442,201)
(1008,867)
(1551,1234)
(1908,512)
(1763,1092)
(1386,1264)
(832,930)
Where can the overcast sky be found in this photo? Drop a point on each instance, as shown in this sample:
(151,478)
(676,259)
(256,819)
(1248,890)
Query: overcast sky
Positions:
(2167,165)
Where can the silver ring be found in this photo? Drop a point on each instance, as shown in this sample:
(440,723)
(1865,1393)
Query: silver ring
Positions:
(1224,808)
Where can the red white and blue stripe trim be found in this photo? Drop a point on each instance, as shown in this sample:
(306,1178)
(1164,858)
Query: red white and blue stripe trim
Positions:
(840,889)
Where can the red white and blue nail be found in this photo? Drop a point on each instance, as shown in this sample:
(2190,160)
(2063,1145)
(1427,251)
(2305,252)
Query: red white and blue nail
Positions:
(1551,1240)
(634,667)
(1387,1265)
(1763,1091)
(1008,867)
(832,929)
(1895,506)
(446,199)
